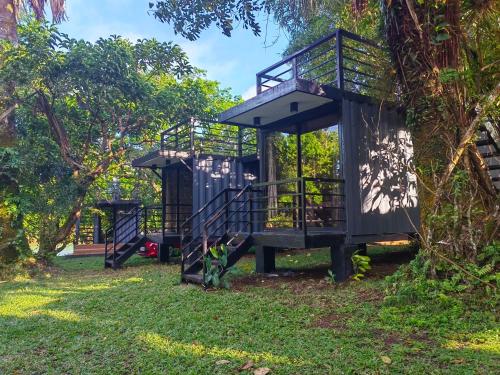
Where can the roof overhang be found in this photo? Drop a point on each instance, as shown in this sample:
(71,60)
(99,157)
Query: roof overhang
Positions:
(159,159)
(275,106)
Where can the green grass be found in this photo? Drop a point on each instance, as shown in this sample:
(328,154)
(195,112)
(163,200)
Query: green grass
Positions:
(140,319)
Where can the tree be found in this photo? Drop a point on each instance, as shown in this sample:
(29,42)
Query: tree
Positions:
(446,57)
(12,238)
(82,107)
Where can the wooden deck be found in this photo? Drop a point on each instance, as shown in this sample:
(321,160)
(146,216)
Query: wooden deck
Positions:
(88,249)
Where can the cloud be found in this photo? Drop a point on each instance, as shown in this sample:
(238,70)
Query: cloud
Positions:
(249,93)
(202,55)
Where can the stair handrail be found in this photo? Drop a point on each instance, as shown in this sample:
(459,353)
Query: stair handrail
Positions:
(135,214)
(185,224)
(223,210)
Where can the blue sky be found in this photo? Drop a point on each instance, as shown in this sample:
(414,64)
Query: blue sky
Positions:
(231,61)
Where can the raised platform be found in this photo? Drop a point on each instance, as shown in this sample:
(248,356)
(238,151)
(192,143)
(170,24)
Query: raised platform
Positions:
(88,249)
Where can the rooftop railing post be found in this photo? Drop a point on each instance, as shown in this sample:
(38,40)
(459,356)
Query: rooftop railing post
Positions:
(258,84)
(295,69)
(340,59)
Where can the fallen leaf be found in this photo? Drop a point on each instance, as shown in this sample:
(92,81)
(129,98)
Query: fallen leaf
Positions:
(222,362)
(247,366)
(262,371)
(386,359)
(458,361)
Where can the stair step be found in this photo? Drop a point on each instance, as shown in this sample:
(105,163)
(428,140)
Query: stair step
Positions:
(193,278)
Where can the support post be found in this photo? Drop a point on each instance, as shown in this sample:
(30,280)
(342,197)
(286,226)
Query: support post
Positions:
(265,261)
(341,260)
(163,200)
(295,69)
(164,253)
(300,202)
(363,249)
(340,59)
(97,232)
(178,197)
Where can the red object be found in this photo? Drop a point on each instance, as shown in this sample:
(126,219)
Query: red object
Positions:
(151,250)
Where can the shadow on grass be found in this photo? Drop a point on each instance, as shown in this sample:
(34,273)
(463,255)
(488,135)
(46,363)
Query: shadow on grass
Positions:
(140,320)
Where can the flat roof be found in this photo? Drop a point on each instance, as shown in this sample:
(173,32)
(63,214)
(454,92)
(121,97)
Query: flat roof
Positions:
(273,105)
(159,158)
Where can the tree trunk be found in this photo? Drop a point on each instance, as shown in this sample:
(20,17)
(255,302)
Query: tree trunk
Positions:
(11,229)
(52,235)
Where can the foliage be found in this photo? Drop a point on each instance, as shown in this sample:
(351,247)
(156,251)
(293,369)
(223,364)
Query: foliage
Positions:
(189,17)
(84,111)
(216,267)
(412,283)
(360,264)
(330,277)
(56,324)
(445,55)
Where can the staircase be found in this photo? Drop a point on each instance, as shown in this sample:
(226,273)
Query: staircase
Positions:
(489,147)
(225,219)
(124,238)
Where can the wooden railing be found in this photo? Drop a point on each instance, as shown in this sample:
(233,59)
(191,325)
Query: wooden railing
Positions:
(342,59)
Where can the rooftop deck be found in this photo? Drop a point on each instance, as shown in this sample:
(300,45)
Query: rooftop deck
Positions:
(200,137)
(314,79)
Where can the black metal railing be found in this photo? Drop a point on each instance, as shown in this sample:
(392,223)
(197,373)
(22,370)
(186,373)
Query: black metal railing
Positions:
(209,137)
(342,59)
(124,231)
(192,229)
(144,220)
(175,215)
(300,204)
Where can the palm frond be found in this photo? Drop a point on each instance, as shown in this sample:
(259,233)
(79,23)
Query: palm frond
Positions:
(58,11)
(38,7)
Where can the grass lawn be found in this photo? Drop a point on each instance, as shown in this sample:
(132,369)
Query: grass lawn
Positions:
(140,319)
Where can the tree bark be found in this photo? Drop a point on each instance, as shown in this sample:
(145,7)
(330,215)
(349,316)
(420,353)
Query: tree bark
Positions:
(11,228)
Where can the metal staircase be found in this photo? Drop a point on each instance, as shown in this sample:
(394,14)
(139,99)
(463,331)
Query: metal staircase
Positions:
(125,237)
(225,219)
(489,147)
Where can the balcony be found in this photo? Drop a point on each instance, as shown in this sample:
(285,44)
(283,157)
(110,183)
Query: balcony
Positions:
(196,137)
(312,81)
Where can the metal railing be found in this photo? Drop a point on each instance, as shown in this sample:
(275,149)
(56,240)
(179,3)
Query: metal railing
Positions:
(209,137)
(192,229)
(300,204)
(124,230)
(342,59)
(141,221)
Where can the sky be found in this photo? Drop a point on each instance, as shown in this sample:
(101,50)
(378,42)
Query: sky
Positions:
(231,61)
